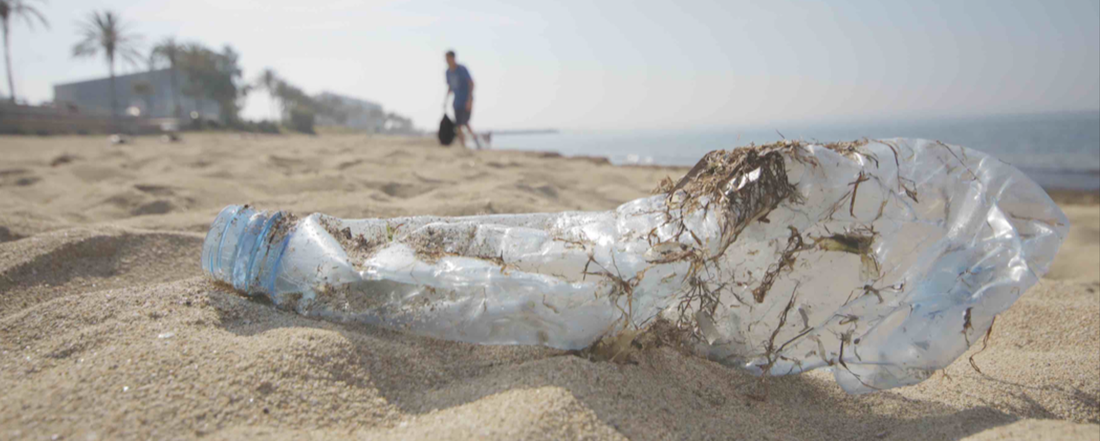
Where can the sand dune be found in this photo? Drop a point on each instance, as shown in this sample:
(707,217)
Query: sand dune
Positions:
(109,331)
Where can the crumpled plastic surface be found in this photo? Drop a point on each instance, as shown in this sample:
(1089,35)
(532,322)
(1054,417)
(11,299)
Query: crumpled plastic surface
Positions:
(883,260)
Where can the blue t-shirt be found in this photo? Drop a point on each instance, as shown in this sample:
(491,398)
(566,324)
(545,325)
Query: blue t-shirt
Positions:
(459,80)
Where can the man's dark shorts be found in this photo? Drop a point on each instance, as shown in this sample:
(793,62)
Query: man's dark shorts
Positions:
(462,116)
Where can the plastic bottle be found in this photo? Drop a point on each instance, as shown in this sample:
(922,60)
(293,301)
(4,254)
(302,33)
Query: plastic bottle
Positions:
(882,260)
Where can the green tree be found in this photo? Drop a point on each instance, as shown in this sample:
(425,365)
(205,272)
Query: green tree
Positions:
(168,51)
(231,91)
(214,76)
(332,107)
(192,58)
(105,32)
(290,97)
(299,107)
(8,10)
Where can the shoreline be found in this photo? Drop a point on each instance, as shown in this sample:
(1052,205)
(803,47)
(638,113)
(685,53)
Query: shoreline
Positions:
(1060,195)
(1074,197)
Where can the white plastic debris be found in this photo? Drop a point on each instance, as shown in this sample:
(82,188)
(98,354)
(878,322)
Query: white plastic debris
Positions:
(884,260)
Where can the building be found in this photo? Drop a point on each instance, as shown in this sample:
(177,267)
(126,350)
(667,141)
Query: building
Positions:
(147,94)
(345,111)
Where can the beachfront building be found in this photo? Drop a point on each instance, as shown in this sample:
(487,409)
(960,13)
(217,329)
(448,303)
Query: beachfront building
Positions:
(345,111)
(147,94)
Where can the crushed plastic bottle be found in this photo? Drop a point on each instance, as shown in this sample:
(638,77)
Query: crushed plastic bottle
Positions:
(883,260)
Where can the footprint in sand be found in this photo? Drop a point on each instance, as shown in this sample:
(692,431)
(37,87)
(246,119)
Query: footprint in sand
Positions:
(63,159)
(403,191)
(291,166)
(98,173)
(156,190)
(348,164)
(7,236)
(18,177)
(139,204)
(546,190)
(159,206)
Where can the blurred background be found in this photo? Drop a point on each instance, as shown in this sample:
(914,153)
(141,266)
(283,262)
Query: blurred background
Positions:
(638,82)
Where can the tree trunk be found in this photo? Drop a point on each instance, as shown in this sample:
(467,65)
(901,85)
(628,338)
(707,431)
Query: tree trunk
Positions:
(114,97)
(175,93)
(150,97)
(198,111)
(284,109)
(7,60)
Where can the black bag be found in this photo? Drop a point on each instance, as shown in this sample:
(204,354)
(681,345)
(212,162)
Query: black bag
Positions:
(446,130)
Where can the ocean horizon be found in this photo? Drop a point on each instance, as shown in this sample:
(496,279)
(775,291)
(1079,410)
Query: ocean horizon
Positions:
(1057,150)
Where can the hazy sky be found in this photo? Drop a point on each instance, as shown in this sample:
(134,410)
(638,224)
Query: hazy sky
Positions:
(623,65)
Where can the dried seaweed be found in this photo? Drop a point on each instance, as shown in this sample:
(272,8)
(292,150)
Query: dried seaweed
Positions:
(740,186)
(785,262)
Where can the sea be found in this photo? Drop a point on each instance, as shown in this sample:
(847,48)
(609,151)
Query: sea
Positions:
(1057,150)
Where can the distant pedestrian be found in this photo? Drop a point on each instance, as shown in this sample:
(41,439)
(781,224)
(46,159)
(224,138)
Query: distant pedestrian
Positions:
(461,85)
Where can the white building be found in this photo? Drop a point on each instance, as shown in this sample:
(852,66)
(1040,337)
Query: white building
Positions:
(150,93)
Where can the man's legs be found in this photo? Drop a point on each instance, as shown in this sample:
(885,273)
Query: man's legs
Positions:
(462,119)
(473,135)
(460,136)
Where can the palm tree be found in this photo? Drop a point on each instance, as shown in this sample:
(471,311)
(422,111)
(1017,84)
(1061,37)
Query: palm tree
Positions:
(269,81)
(170,51)
(197,62)
(285,94)
(104,31)
(16,8)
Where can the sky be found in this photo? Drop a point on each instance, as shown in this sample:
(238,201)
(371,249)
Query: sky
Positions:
(623,65)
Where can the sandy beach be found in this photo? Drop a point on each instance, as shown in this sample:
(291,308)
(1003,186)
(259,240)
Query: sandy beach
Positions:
(108,329)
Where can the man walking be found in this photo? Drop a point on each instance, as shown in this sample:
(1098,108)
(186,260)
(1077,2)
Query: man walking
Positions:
(462,86)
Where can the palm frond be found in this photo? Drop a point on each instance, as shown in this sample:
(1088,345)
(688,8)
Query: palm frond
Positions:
(29,13)
(130,55)
(107,32)
(89,47)
(168,50)
(20,9)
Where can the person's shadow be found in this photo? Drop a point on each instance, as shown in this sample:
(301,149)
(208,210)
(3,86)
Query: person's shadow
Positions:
(661,394)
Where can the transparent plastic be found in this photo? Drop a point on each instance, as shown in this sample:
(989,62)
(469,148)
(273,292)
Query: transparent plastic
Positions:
(883,260)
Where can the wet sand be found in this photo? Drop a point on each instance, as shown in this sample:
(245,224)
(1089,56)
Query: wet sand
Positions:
(108,330)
